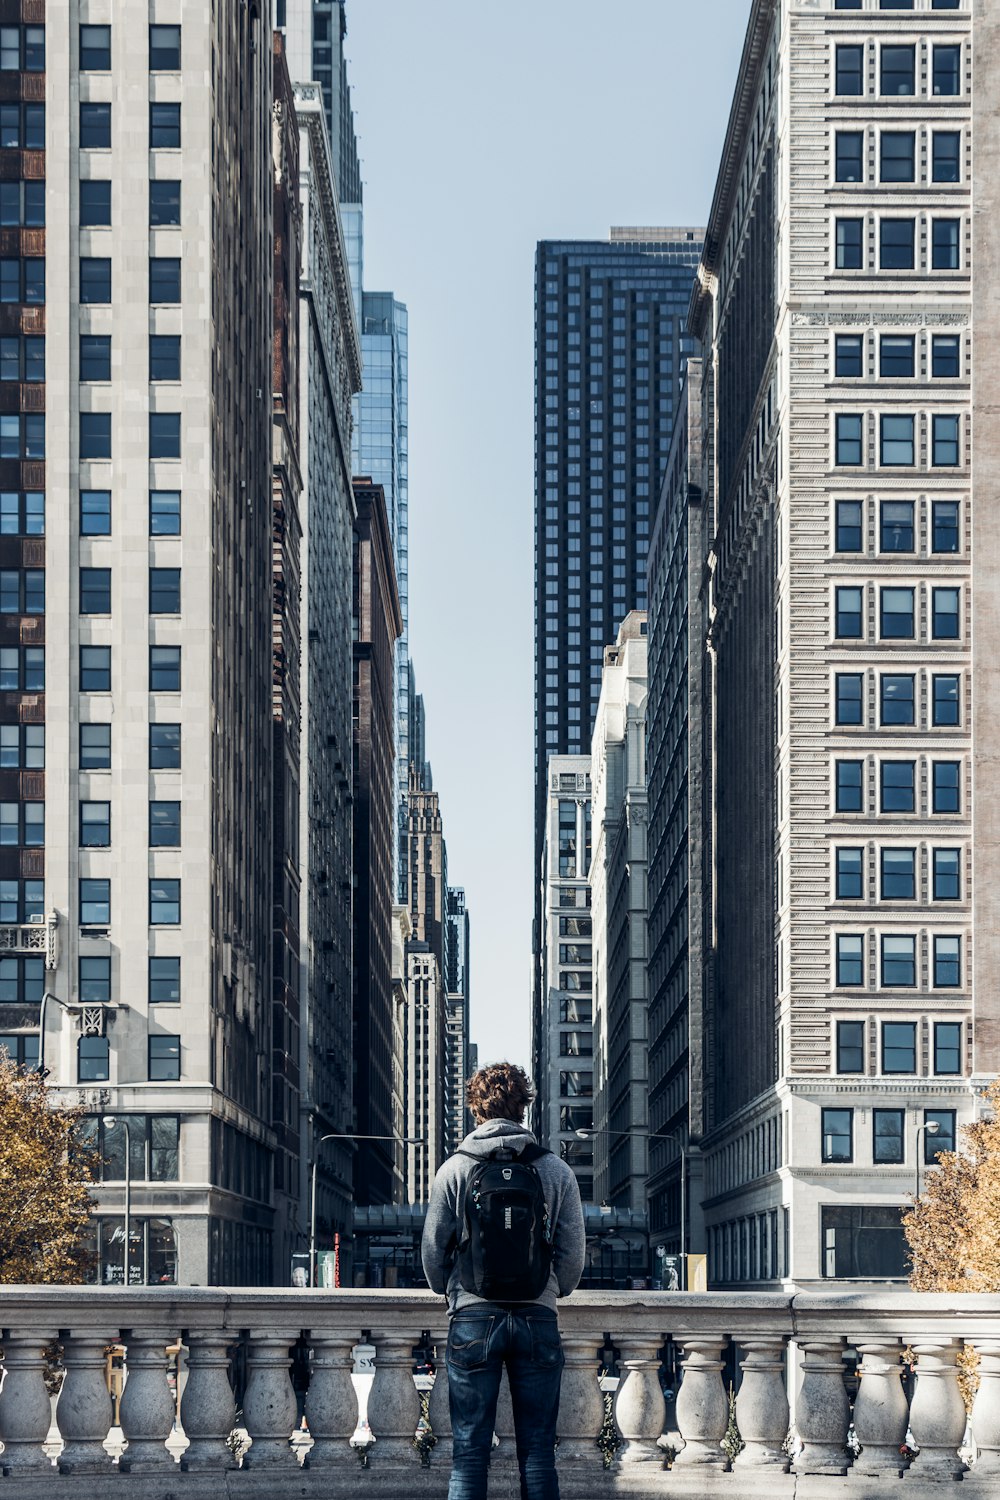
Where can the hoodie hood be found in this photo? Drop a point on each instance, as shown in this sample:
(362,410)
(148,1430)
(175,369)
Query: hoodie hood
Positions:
(495,1133)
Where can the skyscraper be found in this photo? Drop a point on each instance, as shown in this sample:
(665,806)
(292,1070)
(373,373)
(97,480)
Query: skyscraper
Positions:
(457,1028)
(610,342)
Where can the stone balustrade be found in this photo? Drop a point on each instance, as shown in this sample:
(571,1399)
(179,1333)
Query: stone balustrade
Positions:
(790,1358)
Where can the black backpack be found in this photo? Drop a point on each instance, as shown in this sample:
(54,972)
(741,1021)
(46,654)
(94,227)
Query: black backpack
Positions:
(505,1253)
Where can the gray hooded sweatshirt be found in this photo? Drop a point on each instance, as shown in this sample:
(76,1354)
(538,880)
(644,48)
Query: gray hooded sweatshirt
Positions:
(446,1216)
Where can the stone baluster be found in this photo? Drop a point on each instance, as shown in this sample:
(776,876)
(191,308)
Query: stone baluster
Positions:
(880,1414)
(762,1405)
(84,1412)
(331,1401)
(25,1410)
(822,1410)
(208,1410)
(639,1405)
(986,1410)
(439,1405)
(147,1405)
(393,1408)
(270,1410)
(581,1402)
(937,1411)
(702,1407)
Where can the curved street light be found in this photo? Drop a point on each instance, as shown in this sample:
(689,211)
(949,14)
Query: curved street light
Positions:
(110,1121)
(338,1136)
(658,1135)
(932,1127)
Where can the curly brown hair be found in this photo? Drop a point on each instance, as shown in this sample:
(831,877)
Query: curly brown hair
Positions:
(500,1091)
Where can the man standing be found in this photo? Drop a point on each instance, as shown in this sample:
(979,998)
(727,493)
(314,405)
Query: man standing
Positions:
(504,1239)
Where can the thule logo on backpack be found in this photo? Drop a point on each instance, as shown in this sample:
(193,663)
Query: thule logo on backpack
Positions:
(508,1216)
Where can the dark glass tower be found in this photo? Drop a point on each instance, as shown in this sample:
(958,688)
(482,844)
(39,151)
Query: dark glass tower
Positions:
(609,353)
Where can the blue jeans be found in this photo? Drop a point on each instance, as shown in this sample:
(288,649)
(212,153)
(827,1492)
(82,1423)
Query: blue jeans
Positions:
(480,1342)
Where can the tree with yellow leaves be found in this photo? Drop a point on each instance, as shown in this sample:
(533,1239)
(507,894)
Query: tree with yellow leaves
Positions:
(953,1228)
(44,1199)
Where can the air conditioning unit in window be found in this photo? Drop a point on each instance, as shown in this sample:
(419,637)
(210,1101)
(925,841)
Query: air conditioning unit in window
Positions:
(37,919)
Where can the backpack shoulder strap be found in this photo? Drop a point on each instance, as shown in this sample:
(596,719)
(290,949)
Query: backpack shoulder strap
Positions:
(533,1152)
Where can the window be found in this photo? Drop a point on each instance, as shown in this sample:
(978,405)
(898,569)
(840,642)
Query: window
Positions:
(895,4)
(847,4)
(849,352)
(944,245)
(898,155)
(164,356)
(947,877)
(849,706)
(95,981)
(164,201)
(896,614)
(945,786)
(22,591)
(946,158)
(95,434)
(896,526)
(899,1046)
(850,786)
(946,72)
(850,1046)
(95,669)
(21,1049)
(899,965)
(95,203)
(849,613)
(576,1085)
(152,1143)
(898,74)
(944,356)
(95,356)
(22,980)
(896,439)
(164,591)
(95,512)
(22,436)
(95,747)
(95,127)
(95,591)
(848,428)
(945,699)
(887,1136)
(945,4)
(947,1046)
(850,70)
(849,875)
(164,49)
(95,903)
(95,49)
(863,1242)
(164,1058)
(93,1055)
(164,825)
(22,203)
(848,526)
(22,746)
(896,240)
(164,747)
(22,824)
(944,614)
(899,874)
(944,441)
(850,247)
(850,156)
(164,278)
(22,48)
(164,980)
(944,1137)
(164,669)
(22,125)
(95,825)
(95,279)
(898,786)
(164,434)
(22,514)
(164,513)
(850,960)
(837,1135)
(164,903)
(576,1043)
(896,361)
(164,125)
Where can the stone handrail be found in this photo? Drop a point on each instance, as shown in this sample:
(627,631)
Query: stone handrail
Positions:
(792,1408)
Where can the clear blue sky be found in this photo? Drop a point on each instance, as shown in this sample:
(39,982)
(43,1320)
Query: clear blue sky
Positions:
(483,128)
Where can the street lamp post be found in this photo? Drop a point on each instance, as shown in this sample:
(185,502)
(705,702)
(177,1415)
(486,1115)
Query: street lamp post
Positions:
(645,1135)
(46,997)
(932,1127)
(337,1136)
(110,1121)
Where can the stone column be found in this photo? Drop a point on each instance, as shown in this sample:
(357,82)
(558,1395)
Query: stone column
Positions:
(762,1405)
(208,1410)
(986,1410)
(84,1411)
(702,1407)
(147,1404)
(581,1402)
(822,1410)
(393,1409)
(880,1414)
(270,1409)
(639,1405)
(439,1406)
(25,1411)
(331,1401)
